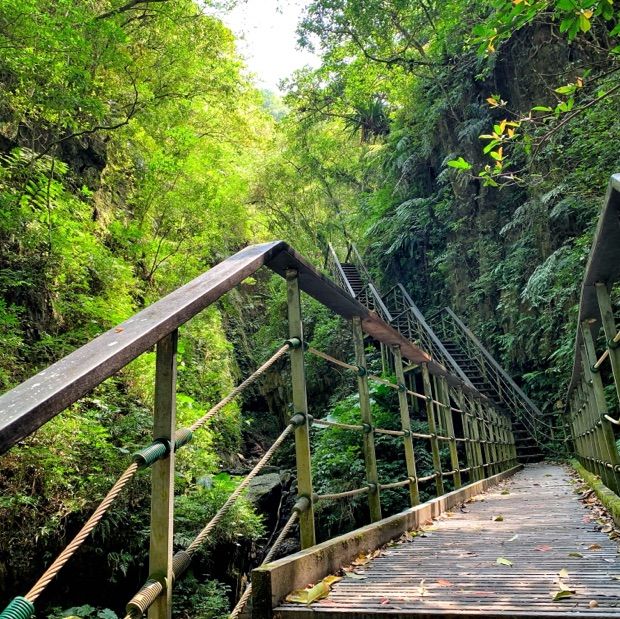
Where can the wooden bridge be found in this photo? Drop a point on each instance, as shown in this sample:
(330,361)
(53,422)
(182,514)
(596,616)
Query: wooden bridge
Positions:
(499,540)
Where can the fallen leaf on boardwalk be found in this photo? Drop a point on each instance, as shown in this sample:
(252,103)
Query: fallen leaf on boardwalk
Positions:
(498,518)
(614,577)
(502,561)
(543,548)
(384,601)
(331,579)
(575,555)
(442,582)
(594,547)
(586,519)
(562,594)
(593,604)
(609,560)
(563,573)
(376,553)
(514,537)
(119,330)
(505,492)
(607,529)
(361,560)
(307,596)
(355,576)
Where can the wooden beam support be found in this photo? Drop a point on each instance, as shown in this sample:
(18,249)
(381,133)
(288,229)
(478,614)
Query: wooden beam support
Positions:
(405,422)
(162,476)
(370,459)
(300,406)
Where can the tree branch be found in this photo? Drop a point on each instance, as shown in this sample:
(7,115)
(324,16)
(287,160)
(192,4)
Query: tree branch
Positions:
(132,4)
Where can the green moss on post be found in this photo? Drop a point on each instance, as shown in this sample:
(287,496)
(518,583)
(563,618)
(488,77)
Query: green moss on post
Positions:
(607,497)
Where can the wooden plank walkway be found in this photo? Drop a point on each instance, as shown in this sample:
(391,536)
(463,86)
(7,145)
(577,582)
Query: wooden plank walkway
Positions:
(452,570)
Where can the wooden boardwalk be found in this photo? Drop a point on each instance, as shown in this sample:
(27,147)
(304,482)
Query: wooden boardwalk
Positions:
(533,520)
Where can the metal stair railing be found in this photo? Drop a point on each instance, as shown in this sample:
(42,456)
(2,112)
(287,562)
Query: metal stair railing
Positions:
(334,268)
(410,321)
(368,295)
(402,312)
(452,328)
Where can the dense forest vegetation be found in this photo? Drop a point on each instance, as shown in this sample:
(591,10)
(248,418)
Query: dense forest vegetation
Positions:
(465,146)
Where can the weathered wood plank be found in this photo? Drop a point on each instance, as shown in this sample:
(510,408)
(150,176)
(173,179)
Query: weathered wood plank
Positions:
(453,572)
(272,582)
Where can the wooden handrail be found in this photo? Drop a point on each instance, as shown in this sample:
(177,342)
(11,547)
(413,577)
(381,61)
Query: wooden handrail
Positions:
(603,266)
(29,405)
(35,401)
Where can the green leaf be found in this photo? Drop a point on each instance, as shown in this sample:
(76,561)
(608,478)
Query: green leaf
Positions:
(460,164)
(584,23)
(355,576)
(490,146)
(307,596)
(502,561)
(542,108)
(562,594)
(569,89)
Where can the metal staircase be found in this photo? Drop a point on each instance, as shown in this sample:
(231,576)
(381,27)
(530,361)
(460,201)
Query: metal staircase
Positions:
(450,343)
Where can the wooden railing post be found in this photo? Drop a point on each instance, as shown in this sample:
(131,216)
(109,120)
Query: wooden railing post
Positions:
(448,424)
(432,429)
(405,422)
(484,439)
(370,459)
(162,475)
(476,438)
(491,433)
(467,434)
(609,327)
(300,406)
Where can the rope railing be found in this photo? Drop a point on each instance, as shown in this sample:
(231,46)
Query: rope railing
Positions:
(336,496)
(149,592)
(486,448)
(142,458)
(375,378)
(242,386)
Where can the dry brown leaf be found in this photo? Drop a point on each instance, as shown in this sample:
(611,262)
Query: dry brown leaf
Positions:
(543,548)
